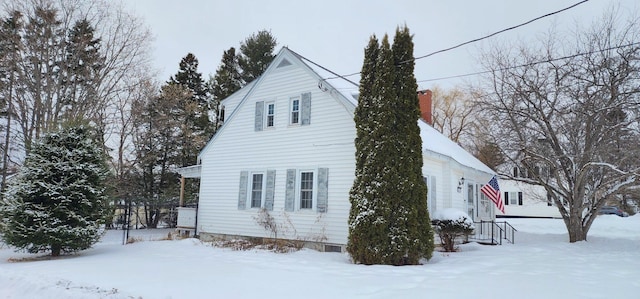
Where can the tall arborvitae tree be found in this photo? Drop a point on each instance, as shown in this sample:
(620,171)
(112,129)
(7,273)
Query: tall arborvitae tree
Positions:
(257,54)
(226,81)
(413,224)
(58,201)
(389,221)
(362,225)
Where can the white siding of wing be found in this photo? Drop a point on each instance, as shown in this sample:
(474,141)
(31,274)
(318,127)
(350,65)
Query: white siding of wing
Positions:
(231,103)
(534,201)
(326,143)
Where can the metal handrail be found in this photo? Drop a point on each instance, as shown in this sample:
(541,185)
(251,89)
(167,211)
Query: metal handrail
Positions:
(501,230)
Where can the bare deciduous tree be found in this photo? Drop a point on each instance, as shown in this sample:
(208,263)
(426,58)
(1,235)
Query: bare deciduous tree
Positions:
(571,123)
(453,113)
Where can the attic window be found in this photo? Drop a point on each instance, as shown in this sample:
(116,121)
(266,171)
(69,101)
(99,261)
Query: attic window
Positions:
(284,63)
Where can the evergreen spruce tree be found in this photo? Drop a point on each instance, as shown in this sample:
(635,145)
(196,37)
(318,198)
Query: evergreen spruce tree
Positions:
(257,54)
(83,64)
(192,111)
(58,202)
(389,221)
(226,81)
(227,78)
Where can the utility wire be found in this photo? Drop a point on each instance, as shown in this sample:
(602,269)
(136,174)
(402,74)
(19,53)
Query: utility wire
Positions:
(496,33)
(531,63)
(471,41)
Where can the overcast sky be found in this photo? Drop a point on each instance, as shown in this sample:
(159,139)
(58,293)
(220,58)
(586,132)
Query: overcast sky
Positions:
(333,33)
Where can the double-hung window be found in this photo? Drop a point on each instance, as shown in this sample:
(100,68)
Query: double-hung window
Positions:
(306,190)
(295,111)
(271,112)
(513,198)
(257,185)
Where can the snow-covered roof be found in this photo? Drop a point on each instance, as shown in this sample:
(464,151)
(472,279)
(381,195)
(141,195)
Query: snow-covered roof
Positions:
(434,141)
(347,87)
(339,86)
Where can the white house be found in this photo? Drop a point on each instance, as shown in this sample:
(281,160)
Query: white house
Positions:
(287,145)
(526,200)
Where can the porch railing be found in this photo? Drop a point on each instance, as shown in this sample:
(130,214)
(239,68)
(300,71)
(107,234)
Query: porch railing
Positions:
(494,232)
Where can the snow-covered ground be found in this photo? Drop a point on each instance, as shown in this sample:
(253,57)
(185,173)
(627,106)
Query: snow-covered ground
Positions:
(542,264)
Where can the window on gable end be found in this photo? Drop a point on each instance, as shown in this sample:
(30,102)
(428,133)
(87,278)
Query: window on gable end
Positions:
(294,117)
(271,112)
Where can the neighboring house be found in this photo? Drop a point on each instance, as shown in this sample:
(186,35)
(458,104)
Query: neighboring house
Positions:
(287,147)
(526,200)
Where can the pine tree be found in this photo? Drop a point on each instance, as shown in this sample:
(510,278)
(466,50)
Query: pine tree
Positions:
(189,76)
(9,50)
(389,221)
(58,202)
(226,81)
(227,78)
(193,111)
(83,64)
(257,54)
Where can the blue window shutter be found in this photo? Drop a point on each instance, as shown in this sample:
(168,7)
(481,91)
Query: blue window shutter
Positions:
(242,194)
(323,189)
(271,185)
(290,194)
(259,115)
(506,198)
(305,110)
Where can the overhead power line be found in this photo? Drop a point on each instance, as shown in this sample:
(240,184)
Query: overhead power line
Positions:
(531,63)
(497,32)
(473,40)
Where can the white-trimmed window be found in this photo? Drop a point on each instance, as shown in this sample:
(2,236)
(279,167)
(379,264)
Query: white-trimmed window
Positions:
(271,114)
(257,190)
(306,190)
(294,117)
(513,198)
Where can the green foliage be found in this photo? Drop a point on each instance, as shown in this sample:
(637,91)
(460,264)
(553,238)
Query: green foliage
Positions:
(58,201)
(388,221)
(227,78)
(194,110)
(257,54)
(82,68)
(449,230)
(226,81)
(164,141)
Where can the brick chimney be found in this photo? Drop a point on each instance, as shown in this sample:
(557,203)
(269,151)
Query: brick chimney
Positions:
(424,97)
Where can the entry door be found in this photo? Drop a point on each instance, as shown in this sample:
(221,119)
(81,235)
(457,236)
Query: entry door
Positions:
(471,201)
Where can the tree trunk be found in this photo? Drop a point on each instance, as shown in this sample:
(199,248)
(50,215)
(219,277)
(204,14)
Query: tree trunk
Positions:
(55,250)
(576,231)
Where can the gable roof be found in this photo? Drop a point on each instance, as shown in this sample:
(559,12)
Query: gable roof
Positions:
(346,91)
(287,57)
(434,141)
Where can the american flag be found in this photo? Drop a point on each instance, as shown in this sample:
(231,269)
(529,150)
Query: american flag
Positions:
(492,190)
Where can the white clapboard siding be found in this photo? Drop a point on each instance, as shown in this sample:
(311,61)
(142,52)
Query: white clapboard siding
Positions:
(241,147)
(326,143)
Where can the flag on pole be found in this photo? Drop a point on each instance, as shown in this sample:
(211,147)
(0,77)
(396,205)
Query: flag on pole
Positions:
(492,190)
